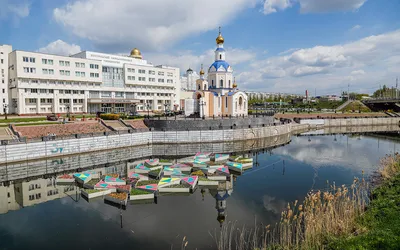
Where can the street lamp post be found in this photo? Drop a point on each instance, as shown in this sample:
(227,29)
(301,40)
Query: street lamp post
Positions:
(148,110)
(68,107)
(165,110)
(5,106)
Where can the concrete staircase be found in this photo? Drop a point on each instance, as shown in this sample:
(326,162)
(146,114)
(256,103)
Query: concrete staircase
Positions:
(344,105)
(6,134)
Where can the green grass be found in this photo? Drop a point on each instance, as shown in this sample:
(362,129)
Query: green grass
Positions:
(155,171)
(144,183)
(91,191)
(138,192)
(203,178)
(165,161)
(12,120)
(93,182)
(35,124)
(381,221)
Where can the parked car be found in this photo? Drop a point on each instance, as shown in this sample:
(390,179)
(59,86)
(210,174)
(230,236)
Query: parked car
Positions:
(52,117)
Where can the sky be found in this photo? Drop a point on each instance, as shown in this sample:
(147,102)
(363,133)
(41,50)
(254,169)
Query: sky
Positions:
(285,46)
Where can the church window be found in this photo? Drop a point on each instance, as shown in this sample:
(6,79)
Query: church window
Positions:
(221,84)
(199,86)
(226,102)
(205,86)
(220,57)
(219,102)
(212,82)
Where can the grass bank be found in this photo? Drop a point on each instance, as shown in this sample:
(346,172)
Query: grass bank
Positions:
(346,217)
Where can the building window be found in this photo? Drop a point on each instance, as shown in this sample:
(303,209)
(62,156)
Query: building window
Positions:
(75,92)
(34,91)
(78,65)
(160,80)
(170,81)
(142,79)
(67,64)
(62,72)
(160,73)
(226,102)
(32,59)
(220,57)
(51,71)
(199,87)
(2,61)
(170,74)
(25,59)
(152,79)
(62,63)
(42,91)
(212,83)
(44,61)
(94,75)
(67,91)
(94,66)
(221,83)
(152,72)
(51,91)
(38,196)
(31,197)
(61,91)
(132,78)
(142,71)
(45,71)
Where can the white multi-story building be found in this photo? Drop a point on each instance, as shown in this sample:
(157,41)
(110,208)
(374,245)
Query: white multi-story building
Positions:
(4,51)
(188,80)
(89,82)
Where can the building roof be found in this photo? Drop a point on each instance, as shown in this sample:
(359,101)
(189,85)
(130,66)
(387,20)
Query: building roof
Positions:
(220,63)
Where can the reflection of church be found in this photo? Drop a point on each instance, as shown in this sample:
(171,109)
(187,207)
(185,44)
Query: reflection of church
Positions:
(220,195)
(218,95)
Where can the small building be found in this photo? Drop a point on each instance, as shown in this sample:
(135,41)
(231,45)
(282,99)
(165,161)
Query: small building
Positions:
(217,95)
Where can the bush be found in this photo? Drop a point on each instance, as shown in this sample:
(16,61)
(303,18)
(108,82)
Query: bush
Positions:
(109,116)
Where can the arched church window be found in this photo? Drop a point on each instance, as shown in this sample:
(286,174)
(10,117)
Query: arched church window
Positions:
(240,101)
(221,84)
(212,82)
(220,57)
(226,102)
(199,86)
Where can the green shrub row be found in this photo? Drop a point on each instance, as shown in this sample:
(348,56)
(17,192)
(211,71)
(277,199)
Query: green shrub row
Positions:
(109,116)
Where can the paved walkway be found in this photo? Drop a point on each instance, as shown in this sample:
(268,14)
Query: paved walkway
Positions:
(5,134)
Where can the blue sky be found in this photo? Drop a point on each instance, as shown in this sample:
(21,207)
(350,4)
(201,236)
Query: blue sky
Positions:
(273,45)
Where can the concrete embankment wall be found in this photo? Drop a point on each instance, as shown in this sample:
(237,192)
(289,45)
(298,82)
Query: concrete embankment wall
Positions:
(352,122)
(46,149)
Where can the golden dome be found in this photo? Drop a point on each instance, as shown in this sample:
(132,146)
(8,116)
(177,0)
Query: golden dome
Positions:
(220,39)
(201,70)
(135,53)
(234,85)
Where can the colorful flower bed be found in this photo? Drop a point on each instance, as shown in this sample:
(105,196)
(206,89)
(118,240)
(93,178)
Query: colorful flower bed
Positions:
(118,196)
(113,175)
(92,191)
(144,183)
(66,177)
(198,173)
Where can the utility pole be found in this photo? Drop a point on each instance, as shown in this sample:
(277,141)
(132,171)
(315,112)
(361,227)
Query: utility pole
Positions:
(348,91)
(397,82)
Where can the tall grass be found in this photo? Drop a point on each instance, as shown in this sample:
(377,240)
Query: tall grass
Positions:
(309,225)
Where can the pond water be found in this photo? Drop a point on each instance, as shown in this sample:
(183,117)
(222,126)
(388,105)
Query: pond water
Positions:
(38,218)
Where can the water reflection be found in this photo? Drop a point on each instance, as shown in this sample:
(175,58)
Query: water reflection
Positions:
(36,212)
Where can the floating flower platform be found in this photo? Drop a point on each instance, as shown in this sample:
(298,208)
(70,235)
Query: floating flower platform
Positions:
(139,194)
(93,193)
(103,185)
(164,182)
(174,188)
(65,179)
(182,167)
(216,177)
(150,185)
(93,173)
(117,198)
(114,181)
(165,162)
(199,163)
(223,171)
(124,188)
(151,162)
(220,157)
(91,184)
(155,173)
(112,175)
(198,173)
(168,171)
(204,181)
(191,181)
(138,176)
(141,169)
(235,166)
(82,178)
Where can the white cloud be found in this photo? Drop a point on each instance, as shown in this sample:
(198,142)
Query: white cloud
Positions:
(271,6)
(313,6)
(358,72)
(155,24)
(355,27)
(363,62)
(60,47)
(20,10)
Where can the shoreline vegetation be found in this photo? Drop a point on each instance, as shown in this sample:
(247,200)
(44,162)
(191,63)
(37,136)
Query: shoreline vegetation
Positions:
(364,215)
